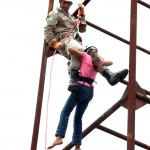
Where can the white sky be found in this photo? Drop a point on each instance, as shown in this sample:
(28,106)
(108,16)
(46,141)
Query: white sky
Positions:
(21,36)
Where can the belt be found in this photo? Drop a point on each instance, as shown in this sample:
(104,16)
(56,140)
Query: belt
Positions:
(87,80)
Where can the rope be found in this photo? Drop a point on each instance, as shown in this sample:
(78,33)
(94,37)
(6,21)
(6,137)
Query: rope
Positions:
(48,99)
(77,23)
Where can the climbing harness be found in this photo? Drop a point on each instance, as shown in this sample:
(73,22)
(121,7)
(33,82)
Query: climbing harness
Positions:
(87,80)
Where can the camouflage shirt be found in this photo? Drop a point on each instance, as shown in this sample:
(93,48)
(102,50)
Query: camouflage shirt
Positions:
(58,24)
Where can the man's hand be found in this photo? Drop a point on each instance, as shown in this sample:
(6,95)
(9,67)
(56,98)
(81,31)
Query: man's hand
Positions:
(57,45)
(81,17)
(81,9)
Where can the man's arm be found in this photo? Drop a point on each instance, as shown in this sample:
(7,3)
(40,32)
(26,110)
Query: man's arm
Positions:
(49,29)
(81,13)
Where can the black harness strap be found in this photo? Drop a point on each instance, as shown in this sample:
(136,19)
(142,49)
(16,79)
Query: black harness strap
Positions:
(87,80)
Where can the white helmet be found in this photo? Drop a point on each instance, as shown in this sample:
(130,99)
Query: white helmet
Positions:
(67,1)
(90,49)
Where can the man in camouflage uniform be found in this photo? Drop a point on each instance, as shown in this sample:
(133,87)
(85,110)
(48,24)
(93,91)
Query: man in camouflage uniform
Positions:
(61,32)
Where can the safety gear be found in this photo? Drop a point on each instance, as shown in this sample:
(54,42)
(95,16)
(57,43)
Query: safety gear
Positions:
(114,78)
(67,1)
(87,80)
(90,48)
(73,84)
(55,44)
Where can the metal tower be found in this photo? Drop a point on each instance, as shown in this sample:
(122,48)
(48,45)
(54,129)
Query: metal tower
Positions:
(133,98)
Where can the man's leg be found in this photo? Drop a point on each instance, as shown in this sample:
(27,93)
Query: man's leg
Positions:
(74,66)
(73,83)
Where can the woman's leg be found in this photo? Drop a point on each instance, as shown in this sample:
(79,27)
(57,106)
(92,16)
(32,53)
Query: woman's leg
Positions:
(64,116)
(63,122)
(84,98)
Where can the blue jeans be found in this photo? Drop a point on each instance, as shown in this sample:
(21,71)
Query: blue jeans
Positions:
(80,99)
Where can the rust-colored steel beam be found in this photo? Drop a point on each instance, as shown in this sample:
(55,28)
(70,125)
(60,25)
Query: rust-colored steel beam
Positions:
(40,91)
(143,97)
(99,120)
(50,6)
(115,36)
(39,99)
(121,136)
(144,4)
(126,83)
(132,78)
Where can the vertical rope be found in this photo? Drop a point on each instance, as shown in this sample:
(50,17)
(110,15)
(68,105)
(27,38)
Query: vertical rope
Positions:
(49,98)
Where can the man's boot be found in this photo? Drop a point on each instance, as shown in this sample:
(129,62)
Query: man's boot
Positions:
(114,78)
(73,83)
